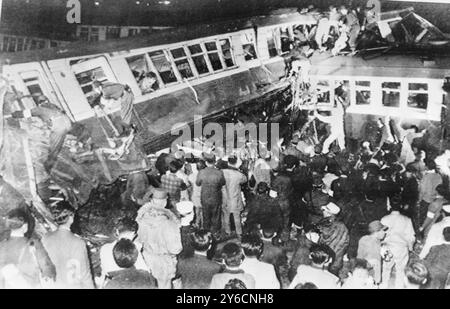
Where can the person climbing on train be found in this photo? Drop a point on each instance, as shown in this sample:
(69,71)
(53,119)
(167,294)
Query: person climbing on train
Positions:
(116,91)
(57,121)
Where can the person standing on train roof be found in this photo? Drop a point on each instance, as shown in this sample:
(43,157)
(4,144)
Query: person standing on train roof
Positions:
(57,121)
(116,91)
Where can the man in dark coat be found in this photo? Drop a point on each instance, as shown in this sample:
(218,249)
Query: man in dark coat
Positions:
(438,262)
(211,181)
(197,271)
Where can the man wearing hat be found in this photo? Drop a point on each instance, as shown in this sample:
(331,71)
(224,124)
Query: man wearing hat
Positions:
(186,211)
(159,233)
(435,235)
(68,252)
(57,121)
(334,234)
(370,247)
(211,181)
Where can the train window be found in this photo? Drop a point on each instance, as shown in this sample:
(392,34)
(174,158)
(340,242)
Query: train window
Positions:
(41,44)
(213,55)
(227,54)
(84,33)
(20,42)
(391,94)
(145,78)
(33,86)
(86,78)
(342,91)
(248,45)
(112,33)
(198,58)
(418,95)
(182,63)
(94,37)
(163,66)
(362,92)
(323,91)
(33,44)
(273,51)
(12,45)
(53,44)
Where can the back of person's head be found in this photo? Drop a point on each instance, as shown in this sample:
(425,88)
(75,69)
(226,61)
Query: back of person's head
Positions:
(232,254)
(446,233)
(232,160)
(430,164)
(125,253)
(306,286)
(175,166)
(415,128)
(17,218)
(321,254)
(63,212)
(126,225)
(268,232)
(201,165)
(360,264)
(262,188)
(442,190)
(201,240)
(417,273)
(396,202)
(252,245)
(290,161)
(235,284)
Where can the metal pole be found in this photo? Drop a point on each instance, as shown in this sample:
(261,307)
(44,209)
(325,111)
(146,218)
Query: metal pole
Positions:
(1,4)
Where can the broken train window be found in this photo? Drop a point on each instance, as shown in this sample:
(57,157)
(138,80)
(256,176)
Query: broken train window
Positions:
(418,95)
(198,57)
(323,91)
(182,62)
(248,45)
(142,71)
(163,66)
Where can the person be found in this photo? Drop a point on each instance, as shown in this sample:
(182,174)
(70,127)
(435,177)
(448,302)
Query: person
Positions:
(335,235)
(438,262)
(128,277)
(263,273)
(235,284)
(186,211)
(116,91)
(234,204)
(211,181)
(149,83)
(159,233)
(282,185)
(428,190)
(173,184)
(58,123)
(302,251)
(232,257)
(353,26)
(72,264)
(273,253)
(262,168)
(197,271)
(434,210)
(400,239)
(263,210)
(359,277)
(336,121)
(292,149)
(23,260)
(125,228)
(321,257)
(370,248)
(416,275)
(196,192)
(410,194)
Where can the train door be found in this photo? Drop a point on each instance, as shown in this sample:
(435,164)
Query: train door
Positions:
(75,83)
(30,83)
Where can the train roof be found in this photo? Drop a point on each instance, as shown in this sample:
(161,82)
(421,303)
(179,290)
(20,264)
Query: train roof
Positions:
(162,37)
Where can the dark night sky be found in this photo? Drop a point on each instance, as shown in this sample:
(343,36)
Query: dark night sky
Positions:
(48,17)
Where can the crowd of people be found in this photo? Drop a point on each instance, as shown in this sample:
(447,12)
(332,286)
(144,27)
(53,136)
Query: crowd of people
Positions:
(323,219)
